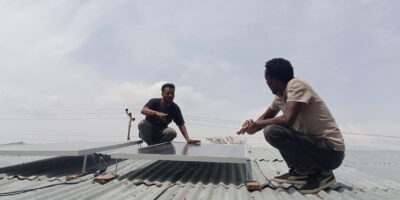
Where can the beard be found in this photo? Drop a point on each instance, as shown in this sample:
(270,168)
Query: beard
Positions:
(168,100)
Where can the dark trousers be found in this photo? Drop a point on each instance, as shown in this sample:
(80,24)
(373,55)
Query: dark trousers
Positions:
(302,151)
(153,134)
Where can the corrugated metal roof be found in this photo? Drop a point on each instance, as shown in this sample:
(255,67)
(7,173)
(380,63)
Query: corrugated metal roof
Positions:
(141,179)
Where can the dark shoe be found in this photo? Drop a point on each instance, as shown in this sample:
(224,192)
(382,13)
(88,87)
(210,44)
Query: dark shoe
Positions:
(291,177)
(318,182)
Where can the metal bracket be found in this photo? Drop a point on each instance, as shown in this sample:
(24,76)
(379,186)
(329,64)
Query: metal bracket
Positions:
(84,163)
(251,184)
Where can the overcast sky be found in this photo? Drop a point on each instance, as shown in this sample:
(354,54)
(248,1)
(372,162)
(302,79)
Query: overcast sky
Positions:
(66,64)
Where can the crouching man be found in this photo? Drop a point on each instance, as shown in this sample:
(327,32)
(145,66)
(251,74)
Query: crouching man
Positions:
(306,134)
(159,113)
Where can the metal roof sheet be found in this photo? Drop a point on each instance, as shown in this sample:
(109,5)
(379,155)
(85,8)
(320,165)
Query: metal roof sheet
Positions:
(140,179)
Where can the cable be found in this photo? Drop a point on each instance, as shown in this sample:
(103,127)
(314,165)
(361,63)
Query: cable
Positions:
(209,118)
(195,124)
(383,141)
(390,136)
(212,121)
(68,111)
(58,109)
(38,188)
(49,119)
(71,111)
(101,166)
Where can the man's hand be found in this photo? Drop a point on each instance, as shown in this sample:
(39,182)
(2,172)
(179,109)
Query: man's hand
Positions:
(253,127)
(161,115)
(192,141)
(245,126)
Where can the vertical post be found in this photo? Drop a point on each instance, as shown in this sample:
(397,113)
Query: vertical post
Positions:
(131,119)
(116,165)
(249,172)
(84,164)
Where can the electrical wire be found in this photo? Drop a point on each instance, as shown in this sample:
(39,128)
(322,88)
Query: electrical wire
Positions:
(90,111)
(38,188)
(55,119)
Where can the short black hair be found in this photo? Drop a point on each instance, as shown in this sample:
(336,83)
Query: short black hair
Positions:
(279,69)
(170,85)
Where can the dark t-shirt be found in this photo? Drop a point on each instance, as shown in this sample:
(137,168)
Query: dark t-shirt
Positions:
(173,111)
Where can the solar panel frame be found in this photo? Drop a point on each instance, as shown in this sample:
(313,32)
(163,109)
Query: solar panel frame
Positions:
(219,153)
(62,149)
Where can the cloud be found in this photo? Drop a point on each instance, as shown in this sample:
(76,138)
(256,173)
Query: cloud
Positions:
(40,44)
(135,95)
(87,54)
(128,93)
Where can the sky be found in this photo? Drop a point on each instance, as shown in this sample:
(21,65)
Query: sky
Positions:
(70,68)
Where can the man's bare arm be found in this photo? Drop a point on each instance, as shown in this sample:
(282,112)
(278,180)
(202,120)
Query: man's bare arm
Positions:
(149,112)
(292,109)
(269,113)
(185,134)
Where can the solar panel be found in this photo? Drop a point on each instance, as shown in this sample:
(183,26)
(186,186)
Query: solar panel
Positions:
(223,153)
(62,149)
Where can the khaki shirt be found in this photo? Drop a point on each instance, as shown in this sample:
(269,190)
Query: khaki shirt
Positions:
(314,118)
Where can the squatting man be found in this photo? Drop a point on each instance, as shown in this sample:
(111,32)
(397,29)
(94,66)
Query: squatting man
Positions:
(306,133)
(159,113)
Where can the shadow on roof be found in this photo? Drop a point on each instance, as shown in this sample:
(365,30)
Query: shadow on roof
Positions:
(57,167)
(184,172)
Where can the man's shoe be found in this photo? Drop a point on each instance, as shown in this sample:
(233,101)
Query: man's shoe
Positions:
(291,177)
(317,182)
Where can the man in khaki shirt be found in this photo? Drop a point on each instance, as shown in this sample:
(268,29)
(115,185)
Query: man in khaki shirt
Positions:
(306,134)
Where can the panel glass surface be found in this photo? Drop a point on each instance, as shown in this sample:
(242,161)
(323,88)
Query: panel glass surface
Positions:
(185,152)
